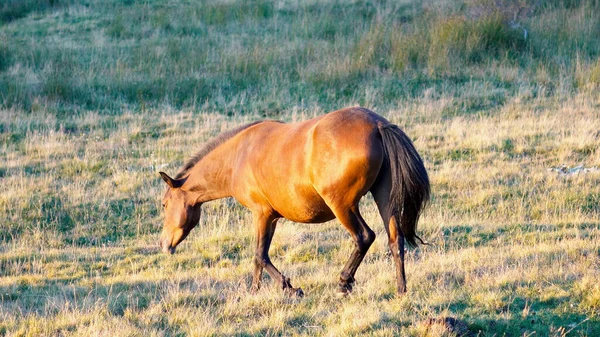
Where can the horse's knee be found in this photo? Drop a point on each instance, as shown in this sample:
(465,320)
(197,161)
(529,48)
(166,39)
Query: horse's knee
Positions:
(370,237)
(261,261)
(364,241)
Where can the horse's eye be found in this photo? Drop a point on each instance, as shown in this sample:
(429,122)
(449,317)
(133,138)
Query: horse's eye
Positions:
(163,205)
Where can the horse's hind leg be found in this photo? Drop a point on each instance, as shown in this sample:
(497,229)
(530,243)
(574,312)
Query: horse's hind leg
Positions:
(363,238)
(381,194)
(265,229)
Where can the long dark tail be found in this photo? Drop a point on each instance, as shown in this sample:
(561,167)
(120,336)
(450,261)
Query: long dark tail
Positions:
(410,184)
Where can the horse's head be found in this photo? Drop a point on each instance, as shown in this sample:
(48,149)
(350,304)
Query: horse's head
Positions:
(182,213)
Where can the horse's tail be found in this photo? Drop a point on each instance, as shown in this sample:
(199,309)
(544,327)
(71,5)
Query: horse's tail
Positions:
(410,189)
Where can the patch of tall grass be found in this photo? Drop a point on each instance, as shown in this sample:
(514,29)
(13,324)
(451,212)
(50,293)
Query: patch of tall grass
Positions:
(261,56)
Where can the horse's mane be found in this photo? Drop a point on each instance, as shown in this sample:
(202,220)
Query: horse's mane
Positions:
(211,145)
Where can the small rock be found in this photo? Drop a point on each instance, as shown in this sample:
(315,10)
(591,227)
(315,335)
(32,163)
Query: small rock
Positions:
(564,170)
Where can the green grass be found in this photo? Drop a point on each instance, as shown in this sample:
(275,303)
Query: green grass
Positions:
(97,96)
(252,57)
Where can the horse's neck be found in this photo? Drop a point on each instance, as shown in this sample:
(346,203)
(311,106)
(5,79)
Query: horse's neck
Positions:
(211,176)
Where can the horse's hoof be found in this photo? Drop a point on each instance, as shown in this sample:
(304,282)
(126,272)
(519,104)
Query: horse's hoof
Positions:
(343,290)
(294,292)
(341,294)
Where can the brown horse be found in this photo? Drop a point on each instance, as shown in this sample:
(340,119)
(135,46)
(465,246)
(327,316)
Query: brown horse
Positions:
(310,172)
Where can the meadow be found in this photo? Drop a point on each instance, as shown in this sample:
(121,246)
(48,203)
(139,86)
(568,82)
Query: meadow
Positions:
(501,98)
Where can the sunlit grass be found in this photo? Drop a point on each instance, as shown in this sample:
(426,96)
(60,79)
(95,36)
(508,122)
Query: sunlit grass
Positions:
(515,246)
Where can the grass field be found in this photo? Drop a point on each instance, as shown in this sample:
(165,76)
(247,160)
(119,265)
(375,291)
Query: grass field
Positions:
(97,96)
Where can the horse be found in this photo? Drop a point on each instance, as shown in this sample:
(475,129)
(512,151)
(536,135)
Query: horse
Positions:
(308,172)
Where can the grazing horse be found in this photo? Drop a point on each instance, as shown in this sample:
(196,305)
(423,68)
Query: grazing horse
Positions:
(310,172)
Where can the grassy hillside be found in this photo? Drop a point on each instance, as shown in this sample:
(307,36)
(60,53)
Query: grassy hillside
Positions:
(97,96)
(266,57)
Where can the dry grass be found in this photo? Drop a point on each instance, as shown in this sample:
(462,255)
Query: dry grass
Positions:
(515,245)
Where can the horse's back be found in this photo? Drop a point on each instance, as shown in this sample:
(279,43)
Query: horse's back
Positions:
(300,169)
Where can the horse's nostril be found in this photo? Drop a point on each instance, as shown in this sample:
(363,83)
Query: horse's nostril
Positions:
(168,250)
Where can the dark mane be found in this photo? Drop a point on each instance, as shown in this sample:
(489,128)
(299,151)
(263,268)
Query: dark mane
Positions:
(211,145)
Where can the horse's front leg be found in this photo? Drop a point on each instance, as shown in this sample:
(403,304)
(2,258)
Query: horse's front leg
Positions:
(265,225)
(265,229)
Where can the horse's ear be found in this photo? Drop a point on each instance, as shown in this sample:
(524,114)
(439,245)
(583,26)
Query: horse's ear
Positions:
(166,178)
(172,182)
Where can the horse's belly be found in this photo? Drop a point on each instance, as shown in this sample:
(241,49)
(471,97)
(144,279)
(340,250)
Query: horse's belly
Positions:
(311,217)
(305,210)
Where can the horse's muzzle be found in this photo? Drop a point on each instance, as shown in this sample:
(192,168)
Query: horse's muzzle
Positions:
(166,248)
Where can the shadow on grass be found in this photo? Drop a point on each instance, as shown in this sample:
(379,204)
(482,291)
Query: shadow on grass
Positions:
(49,298)
(463,236)
(569,311)
(153,300)
(86,224)
(526,316)
(11,10)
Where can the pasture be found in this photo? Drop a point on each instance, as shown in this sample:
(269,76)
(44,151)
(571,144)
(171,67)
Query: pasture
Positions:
(96,97)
